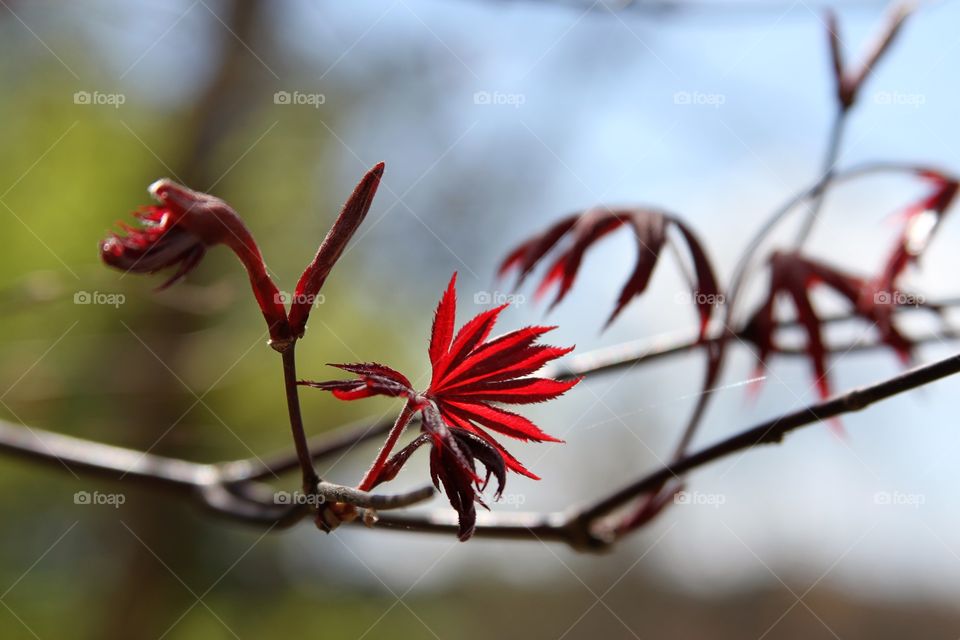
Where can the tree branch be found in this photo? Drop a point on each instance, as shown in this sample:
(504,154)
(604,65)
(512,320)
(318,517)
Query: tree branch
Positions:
(773,430)
(234,490)
(580,529)
(245,499)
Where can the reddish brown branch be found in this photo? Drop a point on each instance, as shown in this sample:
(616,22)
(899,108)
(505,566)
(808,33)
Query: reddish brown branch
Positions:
(233,489)
(309,474)
(773,430)
(211,484)
(581,530)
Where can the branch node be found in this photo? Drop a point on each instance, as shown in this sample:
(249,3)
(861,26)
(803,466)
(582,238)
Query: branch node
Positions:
(581,534)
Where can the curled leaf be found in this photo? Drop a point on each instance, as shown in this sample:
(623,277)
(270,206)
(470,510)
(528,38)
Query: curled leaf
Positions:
(650,228)
(178,231)
(453,467)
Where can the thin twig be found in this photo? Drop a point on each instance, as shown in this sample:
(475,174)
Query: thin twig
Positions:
(310,477)
(242,499)
(773,430)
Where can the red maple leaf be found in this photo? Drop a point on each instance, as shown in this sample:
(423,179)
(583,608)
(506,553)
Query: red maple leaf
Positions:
(472,376)
(795,275)
(650,228)
(874,299)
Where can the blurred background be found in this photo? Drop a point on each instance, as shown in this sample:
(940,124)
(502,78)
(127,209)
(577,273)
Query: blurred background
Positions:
(494,118)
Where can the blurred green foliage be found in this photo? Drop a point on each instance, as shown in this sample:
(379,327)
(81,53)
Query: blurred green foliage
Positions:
(185,372)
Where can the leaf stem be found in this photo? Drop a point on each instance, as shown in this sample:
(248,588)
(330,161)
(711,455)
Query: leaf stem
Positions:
(373,473)
(827,172)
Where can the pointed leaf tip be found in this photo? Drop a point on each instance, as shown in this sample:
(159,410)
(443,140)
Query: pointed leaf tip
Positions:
(836,44)
(351,217)
(444,319)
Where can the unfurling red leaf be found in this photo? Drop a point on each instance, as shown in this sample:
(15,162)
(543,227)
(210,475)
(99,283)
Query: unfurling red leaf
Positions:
(347,223)
(177,232)
(453,466)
